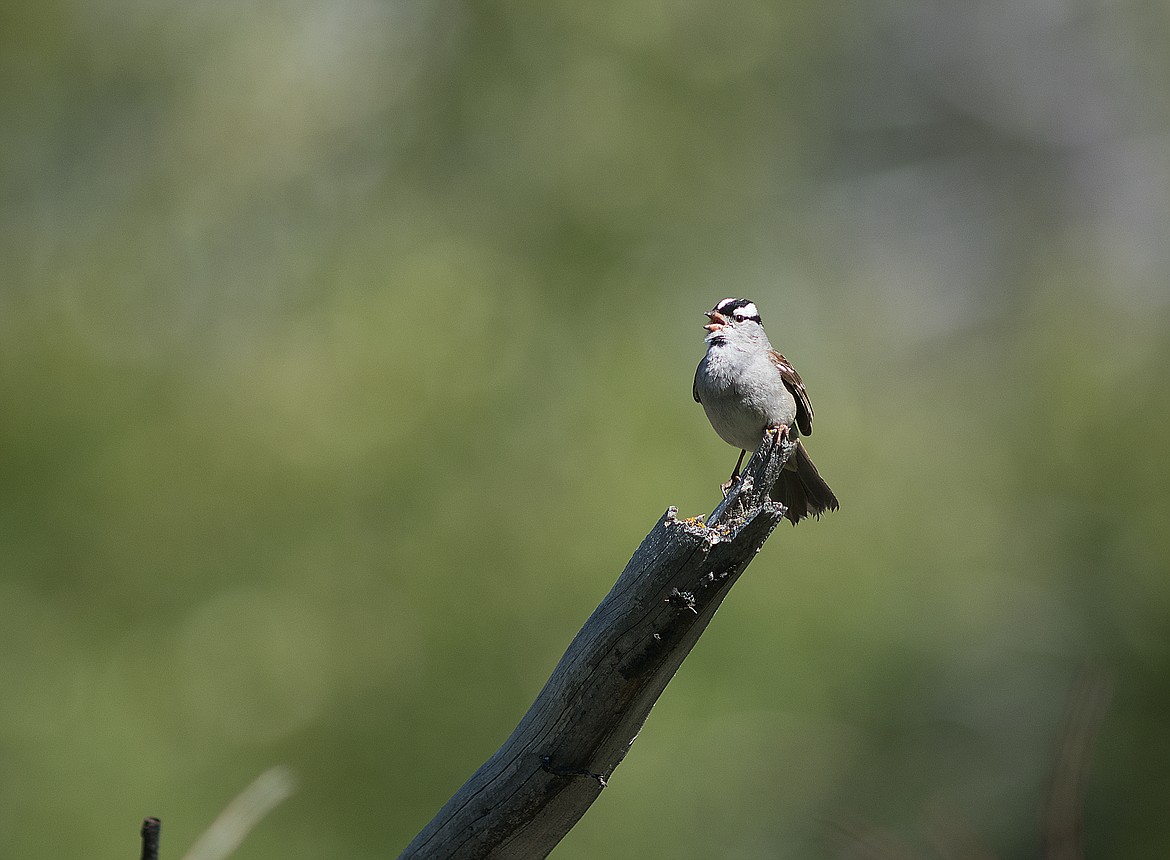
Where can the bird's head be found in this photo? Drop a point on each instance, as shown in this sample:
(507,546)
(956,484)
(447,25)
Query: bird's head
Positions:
(730,316)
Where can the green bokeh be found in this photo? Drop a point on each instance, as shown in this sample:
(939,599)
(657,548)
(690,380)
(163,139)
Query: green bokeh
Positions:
(346,353)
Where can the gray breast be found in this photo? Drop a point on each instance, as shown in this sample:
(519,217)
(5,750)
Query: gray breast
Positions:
(742,394)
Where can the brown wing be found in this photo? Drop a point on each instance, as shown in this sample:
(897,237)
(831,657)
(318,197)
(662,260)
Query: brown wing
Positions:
(695,387)
(804,410)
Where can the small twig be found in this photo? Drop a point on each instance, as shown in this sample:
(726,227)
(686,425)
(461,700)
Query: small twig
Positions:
(241,815)
(150,829)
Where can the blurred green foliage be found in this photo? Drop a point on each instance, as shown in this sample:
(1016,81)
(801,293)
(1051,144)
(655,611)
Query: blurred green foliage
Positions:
(346,352)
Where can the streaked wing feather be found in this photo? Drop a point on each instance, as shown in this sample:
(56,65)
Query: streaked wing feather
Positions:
(804,410)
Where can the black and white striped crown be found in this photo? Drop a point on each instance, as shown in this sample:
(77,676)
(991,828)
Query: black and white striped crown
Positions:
(738,309)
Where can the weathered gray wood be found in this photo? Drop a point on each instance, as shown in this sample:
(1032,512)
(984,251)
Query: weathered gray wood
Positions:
(528,795)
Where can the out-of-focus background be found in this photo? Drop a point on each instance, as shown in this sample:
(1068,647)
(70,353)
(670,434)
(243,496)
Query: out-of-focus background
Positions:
(346,354)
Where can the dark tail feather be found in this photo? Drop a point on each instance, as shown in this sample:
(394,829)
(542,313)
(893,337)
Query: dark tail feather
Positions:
(801,489)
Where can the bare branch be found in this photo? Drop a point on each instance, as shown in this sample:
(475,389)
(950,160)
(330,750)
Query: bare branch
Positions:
(242,814)
(150,834)
(528,795)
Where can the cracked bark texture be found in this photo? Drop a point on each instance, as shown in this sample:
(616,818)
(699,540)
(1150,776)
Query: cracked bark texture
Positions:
(527,796)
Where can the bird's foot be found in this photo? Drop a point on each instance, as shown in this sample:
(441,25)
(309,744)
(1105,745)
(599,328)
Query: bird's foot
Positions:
(782,439)
(725,487)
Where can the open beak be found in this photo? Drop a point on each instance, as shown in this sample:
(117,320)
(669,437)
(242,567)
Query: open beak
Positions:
(718,321)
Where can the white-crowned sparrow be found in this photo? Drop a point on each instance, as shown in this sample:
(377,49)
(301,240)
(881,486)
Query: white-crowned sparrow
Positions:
(747,389)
